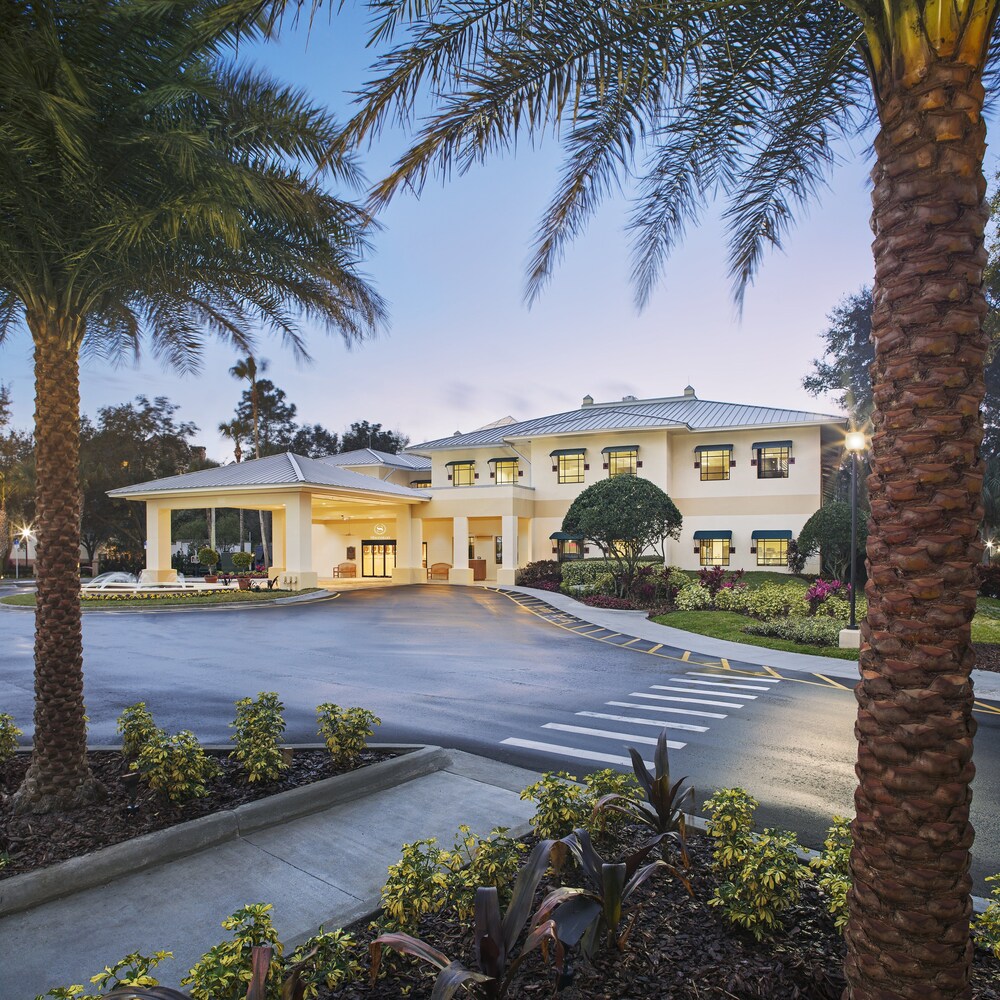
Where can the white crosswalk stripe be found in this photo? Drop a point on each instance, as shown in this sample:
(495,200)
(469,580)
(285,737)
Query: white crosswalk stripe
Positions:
(686,701)
(724,684)
(756,680)
(719,694)
(663,708)
(631,719)
(605,734)
(575,752)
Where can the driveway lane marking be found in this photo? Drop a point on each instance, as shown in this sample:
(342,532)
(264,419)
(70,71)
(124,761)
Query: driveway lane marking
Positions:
(719,694)
(663,708)
(685,701)
(722,684)
(606,734)
(659,723)
(561,751)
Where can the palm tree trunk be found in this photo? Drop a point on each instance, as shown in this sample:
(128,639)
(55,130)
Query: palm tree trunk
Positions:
(59,776)
(908,933)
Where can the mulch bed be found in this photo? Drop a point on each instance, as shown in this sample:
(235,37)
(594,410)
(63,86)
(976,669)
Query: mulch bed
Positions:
(680,949)
(987,656)
(37,841)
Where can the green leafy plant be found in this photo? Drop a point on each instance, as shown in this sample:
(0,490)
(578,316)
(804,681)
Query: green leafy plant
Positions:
(133,970)
(986,926)
(582,914)
(833,865)
(259,725)
(419,883)
(242,561)
(176,766)
(137,728)
(561,805)
(209,558)
(494,936)
(663,810)
(808,631)
(600,785)
(225,971)
(9,734)
(730,824)
(345,731)
(692,597)
(476,862)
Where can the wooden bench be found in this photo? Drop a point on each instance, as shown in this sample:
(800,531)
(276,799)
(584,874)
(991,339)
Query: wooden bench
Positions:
(439,571)
(345,570)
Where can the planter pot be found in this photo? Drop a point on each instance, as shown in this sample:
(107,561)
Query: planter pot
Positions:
(211,579)
(244,582)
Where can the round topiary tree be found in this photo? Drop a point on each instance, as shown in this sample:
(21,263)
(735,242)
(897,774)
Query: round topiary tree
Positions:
(625,517)
(829,531)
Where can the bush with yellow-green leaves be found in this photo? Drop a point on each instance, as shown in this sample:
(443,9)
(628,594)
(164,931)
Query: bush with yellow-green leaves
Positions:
(563,804)
(9,734)
(176,766)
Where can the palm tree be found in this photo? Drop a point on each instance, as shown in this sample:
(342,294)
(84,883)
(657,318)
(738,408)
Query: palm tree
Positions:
(744,99)
(148,192)
(235,431)
(248,369)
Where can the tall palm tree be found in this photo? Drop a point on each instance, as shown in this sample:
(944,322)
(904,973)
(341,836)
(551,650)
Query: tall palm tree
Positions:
(247,369)
(235,430)
(151,190)
(744,99)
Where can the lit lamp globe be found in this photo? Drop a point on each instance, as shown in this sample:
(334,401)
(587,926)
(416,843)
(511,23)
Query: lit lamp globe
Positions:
(855,441)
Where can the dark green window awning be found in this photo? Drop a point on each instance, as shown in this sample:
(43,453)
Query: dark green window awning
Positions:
(771,533)
(502,458)
(462,461)
(771,444)
(619,447)
(567,451)
(699,535)
(714,447)
(562,536)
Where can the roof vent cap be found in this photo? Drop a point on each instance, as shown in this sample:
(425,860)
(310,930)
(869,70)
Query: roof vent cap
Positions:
(588,400)
(628,399)
(457,434)
(689,391)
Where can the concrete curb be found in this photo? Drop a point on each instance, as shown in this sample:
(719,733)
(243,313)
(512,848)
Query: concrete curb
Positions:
(229,606)
(23,892)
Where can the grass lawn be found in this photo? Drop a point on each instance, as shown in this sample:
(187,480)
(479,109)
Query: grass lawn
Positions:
(171,600)
(728,625)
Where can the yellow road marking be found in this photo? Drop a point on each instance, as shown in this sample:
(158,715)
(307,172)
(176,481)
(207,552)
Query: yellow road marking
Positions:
(686,656)
(725,663)
(833,683)
(988,709)
(629,643)
(772,672)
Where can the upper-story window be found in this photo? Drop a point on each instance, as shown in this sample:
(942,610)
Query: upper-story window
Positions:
(714,461)
(505,470)
(462,473)
(772,459)
(622,460)
(569,464)
(420,484)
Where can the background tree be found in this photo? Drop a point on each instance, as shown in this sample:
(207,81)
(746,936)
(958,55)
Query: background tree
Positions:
(219,224)
(828,532)
(743,101)
(362,434)
(314,441)
(270,415)
(626,517)
(16,477)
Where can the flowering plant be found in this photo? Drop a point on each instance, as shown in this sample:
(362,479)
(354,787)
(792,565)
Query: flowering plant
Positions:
(821,590)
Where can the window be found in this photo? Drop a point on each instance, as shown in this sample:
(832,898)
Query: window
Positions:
(506,471)
(773,459)
(714,551)
(622,461)
(420,484)
(423,554)
(772,552)
(570,548)
(498,549)
(472,546)
(463,473)
(570,467)
(714,465)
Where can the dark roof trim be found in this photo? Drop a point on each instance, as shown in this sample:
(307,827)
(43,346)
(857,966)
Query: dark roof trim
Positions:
(619,447)
(699,535)
(770,444)
(502,458)
(562,536)
(771,533)
(567,451)
(714,447)
(460,461)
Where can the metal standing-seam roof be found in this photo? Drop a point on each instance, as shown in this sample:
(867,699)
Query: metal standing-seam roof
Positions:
(371,456)
(687,412)
(275,470)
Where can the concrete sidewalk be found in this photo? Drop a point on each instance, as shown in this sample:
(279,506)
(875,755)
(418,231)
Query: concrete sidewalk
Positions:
(327,867)
(635,623)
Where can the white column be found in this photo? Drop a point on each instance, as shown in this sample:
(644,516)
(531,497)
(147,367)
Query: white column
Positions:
(406,569)
(508,543)
(461,571)
(417,547)
(158,543)
(298,543)
(279,559)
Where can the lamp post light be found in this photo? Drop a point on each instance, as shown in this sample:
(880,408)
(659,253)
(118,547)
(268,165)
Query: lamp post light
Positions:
(24,534)
(855,443)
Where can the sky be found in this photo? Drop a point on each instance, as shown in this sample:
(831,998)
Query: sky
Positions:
(463,349)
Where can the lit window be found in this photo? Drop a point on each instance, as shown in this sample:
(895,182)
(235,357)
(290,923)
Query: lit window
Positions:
(463,474)
(715,464)
(498,549)
(506,471)
(772,551)
(772,461)
(570,468)
(569,549)
(714,551)
(420,484)
(622,462)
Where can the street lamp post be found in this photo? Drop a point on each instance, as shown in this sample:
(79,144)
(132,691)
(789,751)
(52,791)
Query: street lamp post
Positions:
(855,444)
(24,534)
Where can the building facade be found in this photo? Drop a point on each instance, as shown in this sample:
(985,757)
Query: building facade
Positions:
(477,506)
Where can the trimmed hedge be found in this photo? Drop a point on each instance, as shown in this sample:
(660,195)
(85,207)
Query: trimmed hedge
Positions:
(810,631)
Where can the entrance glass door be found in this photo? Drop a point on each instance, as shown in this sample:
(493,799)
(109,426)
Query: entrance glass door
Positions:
(378,559)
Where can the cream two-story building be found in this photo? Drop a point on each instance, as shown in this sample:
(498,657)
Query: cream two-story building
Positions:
(477,506)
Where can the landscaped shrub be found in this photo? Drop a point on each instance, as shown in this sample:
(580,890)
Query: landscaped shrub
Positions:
(259,725)
(821,591)
(483,861)
(809,631)
(561,805)
(693,597)
(208,558)
(773,600)
(989,581)
(730,823)
(733,599)
(716,578)
(608,602)
(606,782)
(242,561)
(345,731)
(132,970)
(176,766)
(544,571)
(330,957)
(835,874)
(9,734)
(418,883)
(584,572)
(585,584)
(986,926)
(656,585)
(137,728)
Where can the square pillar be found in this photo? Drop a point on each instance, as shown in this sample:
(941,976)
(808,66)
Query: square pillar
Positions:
(297,538)
(278,557)
(461,571)
(508,566)
(405,570)
(158,543)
